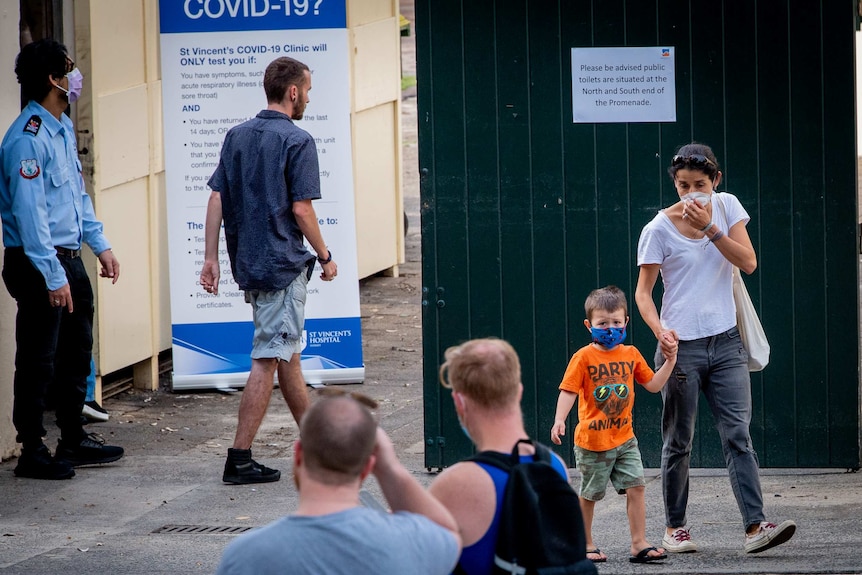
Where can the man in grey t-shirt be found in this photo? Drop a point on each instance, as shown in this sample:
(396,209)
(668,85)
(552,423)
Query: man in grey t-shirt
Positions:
(340,445)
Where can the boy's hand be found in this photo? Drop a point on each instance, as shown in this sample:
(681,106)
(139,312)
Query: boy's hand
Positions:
(558,430)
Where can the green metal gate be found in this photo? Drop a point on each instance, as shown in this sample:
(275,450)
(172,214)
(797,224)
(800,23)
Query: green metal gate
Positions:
(524,212)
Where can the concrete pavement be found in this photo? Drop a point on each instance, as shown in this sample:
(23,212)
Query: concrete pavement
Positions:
(163,508)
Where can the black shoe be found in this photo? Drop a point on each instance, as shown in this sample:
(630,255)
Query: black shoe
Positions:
(38,464)
(91,450)
(240,469)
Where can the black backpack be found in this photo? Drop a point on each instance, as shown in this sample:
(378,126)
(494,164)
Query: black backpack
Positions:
(541,528)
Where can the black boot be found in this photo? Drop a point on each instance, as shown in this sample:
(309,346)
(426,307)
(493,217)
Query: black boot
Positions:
(240,469)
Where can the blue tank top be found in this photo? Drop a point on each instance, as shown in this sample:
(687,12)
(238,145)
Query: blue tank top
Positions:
(478,558)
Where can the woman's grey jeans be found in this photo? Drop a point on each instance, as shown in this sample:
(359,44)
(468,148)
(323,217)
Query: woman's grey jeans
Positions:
(718,366)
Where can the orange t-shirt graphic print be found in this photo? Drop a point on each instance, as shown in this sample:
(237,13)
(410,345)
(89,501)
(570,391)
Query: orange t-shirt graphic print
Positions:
(604,382)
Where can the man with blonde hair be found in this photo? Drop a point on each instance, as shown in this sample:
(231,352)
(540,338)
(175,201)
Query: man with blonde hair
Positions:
(485,378)
(340,445)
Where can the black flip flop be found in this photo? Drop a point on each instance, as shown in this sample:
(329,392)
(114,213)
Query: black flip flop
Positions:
(645,557)
(599,552)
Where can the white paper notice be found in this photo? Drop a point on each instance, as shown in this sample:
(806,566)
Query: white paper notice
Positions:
(623,85)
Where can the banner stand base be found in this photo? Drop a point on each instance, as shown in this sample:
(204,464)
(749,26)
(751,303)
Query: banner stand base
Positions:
(232,381)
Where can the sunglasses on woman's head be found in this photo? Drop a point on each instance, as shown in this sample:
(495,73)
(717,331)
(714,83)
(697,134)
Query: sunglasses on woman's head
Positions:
(694,160)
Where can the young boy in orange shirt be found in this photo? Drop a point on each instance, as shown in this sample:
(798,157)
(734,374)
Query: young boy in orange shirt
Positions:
(601,377)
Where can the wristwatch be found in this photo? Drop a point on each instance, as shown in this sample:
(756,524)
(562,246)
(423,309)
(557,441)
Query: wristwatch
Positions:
(327,260)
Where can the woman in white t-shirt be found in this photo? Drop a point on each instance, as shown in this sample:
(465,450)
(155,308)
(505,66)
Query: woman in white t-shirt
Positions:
(694,244)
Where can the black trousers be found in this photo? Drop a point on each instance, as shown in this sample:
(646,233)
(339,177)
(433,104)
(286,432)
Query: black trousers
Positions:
(54,348)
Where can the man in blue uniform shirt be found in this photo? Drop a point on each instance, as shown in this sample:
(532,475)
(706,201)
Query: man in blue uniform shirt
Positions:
(47,216)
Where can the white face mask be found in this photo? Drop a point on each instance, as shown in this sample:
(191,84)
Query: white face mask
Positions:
(698,197)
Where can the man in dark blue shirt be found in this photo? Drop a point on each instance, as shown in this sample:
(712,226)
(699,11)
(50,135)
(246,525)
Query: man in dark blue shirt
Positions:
(262,189)
(47,217)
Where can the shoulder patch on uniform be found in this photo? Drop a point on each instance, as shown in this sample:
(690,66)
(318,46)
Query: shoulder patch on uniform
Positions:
(29,169)
(33,124)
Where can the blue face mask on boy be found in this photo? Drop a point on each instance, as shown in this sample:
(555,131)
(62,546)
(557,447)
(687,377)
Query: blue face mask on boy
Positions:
(610,337)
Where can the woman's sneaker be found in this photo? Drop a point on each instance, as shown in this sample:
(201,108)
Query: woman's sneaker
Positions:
(769,535)
(678,542)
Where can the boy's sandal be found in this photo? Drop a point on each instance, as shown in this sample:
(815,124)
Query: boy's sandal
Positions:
(644,557)
(601,557)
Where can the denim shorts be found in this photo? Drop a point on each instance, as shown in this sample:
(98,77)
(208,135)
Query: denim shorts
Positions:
(622,466)
(279,317)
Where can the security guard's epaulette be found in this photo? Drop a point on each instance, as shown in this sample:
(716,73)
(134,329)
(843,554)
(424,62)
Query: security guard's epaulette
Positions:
(33,124)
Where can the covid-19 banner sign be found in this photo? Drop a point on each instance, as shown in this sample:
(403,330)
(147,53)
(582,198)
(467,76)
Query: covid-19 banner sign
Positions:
(213,55)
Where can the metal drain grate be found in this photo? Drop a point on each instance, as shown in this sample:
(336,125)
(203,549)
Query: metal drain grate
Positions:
(201,530)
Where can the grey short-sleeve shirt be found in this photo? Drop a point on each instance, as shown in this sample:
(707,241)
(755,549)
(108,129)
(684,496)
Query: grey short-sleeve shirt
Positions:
(267,163)
(358,540)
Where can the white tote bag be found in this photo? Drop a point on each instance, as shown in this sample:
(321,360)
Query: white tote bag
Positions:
(750,329)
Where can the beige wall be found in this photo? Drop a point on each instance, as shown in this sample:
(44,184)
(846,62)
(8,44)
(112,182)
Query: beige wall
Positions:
(376,126)
(117,49)
(9,108)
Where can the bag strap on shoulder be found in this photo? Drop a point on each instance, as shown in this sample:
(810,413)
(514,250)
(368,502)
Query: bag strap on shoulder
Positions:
(507,462)
(720,202)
